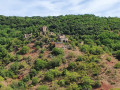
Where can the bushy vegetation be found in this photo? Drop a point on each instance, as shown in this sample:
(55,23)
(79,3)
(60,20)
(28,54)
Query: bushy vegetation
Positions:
(24,50)
(57,51)
(91,34)
(117,65)
(35,80)
(40,64)
(51,74)
(43,87)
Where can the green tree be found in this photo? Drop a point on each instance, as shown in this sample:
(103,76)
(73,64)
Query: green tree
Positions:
(57,51)
(35,80)
(43,87)
(32,73)
(40,64)
(24,50)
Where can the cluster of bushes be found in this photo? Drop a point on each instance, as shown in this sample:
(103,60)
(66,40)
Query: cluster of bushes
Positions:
(57,51)
(12,72)
(75,81)
(41,64)
(38,44)
(117,65)
(96,50)
(24,50)
(89,58)
(5,57)
(51,74)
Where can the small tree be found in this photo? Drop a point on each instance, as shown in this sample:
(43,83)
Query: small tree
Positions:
(72,65)
(40,64)
(1,78)
(117,54)
(57,51)
(97,84)
(43,87)
(33,72)
(79,58)
(54,63)
(117,65)
(35,80)
(73,86)
(49,76)
(61,82)
(24,50)
(15,67)
(27,78)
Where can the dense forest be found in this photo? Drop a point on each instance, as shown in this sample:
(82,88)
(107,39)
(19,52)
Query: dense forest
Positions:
(35,63)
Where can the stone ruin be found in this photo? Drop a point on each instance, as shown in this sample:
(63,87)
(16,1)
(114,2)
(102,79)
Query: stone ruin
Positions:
(28,35)
(44,29)
(62,38)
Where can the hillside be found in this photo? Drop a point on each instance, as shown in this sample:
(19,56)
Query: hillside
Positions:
(72,52)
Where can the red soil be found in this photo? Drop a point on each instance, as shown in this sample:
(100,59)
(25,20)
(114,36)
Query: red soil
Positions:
(105,86)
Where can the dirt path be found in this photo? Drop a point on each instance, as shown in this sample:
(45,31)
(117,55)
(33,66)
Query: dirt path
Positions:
(105,86)
(110,77)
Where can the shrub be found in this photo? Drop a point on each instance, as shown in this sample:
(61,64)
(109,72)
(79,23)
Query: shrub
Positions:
(73,86)
(55,72)
(72,76)
(42,50)
(6,73)
(54,63)
(81,66)
(32,73)
(15,67)
(1,78)
(14,85)
(18,57)
(86,83)
(109,59)
(97,84)
(3,52)
(85,48)
(40,64)
(79,58)
(96,50)
(117,65)
(21,84)
(117,54)
(43,87)
(4,55)
(35,80)
(52,73)
(49,76)
(41,55)
(1,85)
(27,78)
(38,43)
(72,65)
(57,51)
(24,50)
(94,68)
(37,47)
(61,82)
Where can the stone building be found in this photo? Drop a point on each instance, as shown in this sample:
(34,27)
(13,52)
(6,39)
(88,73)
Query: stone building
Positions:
(62,38)
(51,33)
(44,29)
(28,35)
